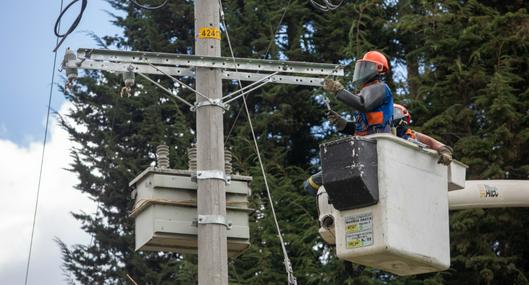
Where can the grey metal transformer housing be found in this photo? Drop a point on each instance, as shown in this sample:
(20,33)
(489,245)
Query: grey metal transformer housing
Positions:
(165,212)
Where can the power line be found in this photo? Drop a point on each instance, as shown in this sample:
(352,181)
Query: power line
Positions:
(288,265)
(148,7)
(77,20)
(72,27)
(264,56)
(277,28)
(57,27)
(327,5)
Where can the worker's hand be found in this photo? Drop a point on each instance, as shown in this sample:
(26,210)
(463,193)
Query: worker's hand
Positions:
(337,120)
(332,85)
(445,155)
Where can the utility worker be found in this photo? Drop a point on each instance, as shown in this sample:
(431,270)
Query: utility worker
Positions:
(373,105)
(401,124)
(401,128)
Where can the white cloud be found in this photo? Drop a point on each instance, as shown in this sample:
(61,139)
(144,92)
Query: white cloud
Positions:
(19,169)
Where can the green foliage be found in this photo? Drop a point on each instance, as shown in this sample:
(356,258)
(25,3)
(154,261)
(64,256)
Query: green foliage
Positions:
(462,67)
(472,79)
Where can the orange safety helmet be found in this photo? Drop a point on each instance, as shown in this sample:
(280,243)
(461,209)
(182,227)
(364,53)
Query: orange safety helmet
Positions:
(372,64)
(401,114)
(379,59)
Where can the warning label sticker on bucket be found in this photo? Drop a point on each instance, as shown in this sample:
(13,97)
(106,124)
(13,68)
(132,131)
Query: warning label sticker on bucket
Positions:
(359,230)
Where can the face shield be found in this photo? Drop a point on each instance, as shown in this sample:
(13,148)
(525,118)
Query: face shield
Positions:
(397,114)
(399,117)
(364,71)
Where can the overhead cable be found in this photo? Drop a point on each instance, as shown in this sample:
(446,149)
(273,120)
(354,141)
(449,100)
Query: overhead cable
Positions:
(166,90)
(74,24)
(243,94)
(180,82)
(77,20)
(264,57)
(148,7)
(277,28)
(327,5)
(35,210)
(244,91)
(288,265)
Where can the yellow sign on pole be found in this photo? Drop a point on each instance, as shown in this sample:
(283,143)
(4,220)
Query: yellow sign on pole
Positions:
(209,33)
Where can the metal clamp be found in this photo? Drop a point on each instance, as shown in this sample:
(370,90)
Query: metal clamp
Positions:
(215,102)
(214,219)
(213,174)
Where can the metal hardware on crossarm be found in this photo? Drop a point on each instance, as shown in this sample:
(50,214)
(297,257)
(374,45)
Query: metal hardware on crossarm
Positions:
(170,59)
(259,71)
(298,73)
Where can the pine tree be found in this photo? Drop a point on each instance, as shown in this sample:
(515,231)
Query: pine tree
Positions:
(472,86)
(466,84)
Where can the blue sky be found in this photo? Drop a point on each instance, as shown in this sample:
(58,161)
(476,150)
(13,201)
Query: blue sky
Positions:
(26,30)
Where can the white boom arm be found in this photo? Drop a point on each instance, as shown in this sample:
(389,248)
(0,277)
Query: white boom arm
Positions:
(490,194)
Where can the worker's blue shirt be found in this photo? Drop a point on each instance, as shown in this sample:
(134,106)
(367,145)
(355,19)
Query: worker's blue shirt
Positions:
(378,120)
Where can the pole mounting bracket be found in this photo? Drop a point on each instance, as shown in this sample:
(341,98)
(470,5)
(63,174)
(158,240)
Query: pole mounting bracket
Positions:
(213,174)
(214,102)
(213,219)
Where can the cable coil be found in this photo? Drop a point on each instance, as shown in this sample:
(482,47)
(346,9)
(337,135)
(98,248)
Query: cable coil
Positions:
(146,7)
(77,20)
(327,5)
(74,25)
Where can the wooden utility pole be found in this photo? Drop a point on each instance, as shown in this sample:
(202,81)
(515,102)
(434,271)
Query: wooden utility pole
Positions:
(211,196)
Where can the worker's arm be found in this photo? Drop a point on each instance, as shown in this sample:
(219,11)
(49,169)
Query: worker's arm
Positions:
(445,152)
(349,129)
(367,100)
(342,125)
(429,141)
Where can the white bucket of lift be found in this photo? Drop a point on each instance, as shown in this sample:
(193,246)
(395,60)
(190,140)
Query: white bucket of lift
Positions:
(406,232)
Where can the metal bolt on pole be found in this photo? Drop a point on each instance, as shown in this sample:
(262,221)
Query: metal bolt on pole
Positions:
(212,237)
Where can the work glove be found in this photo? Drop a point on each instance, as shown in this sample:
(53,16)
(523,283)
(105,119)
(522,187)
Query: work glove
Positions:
(332,85)
(313,183)
(445,155)
(337,120)
(310,186)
